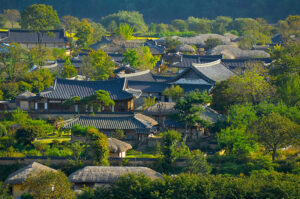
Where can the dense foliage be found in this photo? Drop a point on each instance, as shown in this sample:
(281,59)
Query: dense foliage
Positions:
(157,11)
(258,185)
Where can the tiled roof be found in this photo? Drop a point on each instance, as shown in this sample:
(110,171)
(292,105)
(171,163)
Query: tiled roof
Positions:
(238,63)
(159,87)
(112,122)
(185,61)
(146,75)
(126,68)
(117,57)
(66,89)
(29,36)
(213,71)
(148,86)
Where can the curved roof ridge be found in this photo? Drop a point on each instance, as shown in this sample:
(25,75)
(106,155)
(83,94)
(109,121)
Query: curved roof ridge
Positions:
(207,64)
(134,74)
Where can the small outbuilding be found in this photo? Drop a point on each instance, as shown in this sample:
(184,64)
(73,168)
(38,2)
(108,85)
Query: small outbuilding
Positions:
(17,178)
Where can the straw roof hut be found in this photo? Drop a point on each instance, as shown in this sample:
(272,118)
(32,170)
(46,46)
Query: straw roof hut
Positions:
(118,148)
(185,48)
(232,52)
(21,175)
(17,178)
(105,175)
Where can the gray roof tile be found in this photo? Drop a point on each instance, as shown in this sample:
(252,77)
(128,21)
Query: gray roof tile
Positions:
(66,89)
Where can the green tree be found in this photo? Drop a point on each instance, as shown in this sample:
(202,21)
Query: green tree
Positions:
(133,18)
(77,150)
(70,23)
(40,79)
(199,25)
(221,24)
(289,90)
(171,148)
(118,134)
(99,144)
(13,65)
(140,58)
(242,25)
(2,20)
(39,17)
(210,43)
(287,62)
(131,186)
(68,70)
(149,101)
(252,87)
(4,194)
(188,109)
(251,38)
(98,100)
(84,33)
(172,44)
(38,56)
(49,184)
(274,132)
(101,64)
(27,134)
(12,15)
(180,25)
(236,142)
(175,92)
(197,163)
(125,31)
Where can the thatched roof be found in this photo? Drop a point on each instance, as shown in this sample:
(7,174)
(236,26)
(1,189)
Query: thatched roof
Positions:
(232,52)
(26,95)
(199,39)
(146,119)
(117,146)
(185,48)
(106,174)
(167,108)
(161,108)
(20,176)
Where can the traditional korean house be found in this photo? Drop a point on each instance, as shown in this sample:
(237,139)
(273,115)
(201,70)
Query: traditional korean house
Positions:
(30,39)
(136,127)
(17,178)
(203,74)
(163,111)
(52,99)
(117,148)
(103,176)
(125,69)
(23,100)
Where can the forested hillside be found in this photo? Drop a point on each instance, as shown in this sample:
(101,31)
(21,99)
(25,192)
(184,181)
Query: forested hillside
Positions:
(167,10)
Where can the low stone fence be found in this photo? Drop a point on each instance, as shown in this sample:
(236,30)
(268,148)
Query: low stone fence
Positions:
(114,161)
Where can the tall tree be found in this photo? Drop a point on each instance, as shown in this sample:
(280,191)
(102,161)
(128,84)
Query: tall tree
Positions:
(70,23)
(69,70)
(140,58)
(84,33)
(99,144)
(188,109)
(13,62)
(171,148)
(40,18)
(274,131)
(102,64)
(175,92)
(12,15)
(49,184)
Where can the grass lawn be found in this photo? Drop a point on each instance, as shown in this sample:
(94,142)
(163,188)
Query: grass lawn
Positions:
(50,140)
